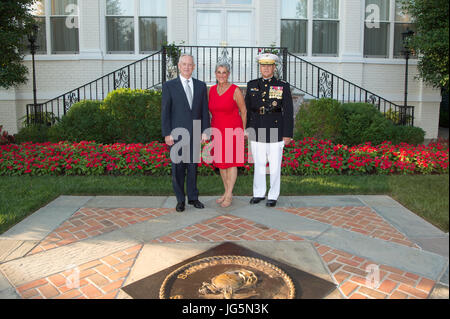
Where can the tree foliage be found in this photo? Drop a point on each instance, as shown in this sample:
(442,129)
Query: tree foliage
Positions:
(15,24)
(431,41)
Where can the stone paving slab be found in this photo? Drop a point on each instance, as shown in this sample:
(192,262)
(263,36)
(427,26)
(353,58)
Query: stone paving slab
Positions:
(444,278)
(90,222)
(154,228)
(301,255)
(7,291)
(371,248)
(424,234)
(18,269)
(401,217)
(33,267)
(361,219)
(39,224)
(409,223)
(156,257)
(227,228)
(323,201)
(409,259)
(236,204)
(439,292)
(12,249)
(70,201)
(127,202)
(296,225)
(360,278)
(437,245)
(98,279)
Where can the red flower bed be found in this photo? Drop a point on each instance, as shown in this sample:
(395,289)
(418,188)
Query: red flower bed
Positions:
(312,156)
(305,157)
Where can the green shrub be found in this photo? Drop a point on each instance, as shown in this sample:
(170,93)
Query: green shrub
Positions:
(320,119)
(136,114)
(85,121)
(45,118)
(408,134)
(352,124)
(394,116)
(364,123)
(33,133)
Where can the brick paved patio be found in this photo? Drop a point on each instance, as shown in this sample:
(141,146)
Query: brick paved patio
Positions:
(358,219)
(352,241)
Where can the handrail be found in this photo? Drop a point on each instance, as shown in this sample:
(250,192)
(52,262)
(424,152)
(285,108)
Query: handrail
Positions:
(301,75)
(320,83)
(240,58)
(145,73)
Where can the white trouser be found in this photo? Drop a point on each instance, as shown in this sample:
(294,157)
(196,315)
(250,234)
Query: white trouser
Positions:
(261,153)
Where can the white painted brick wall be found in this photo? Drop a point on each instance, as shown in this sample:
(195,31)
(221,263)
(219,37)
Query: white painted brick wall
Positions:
(350,25)
(268,22)
(89,25)
(58,76)
(8,116)
(180,21)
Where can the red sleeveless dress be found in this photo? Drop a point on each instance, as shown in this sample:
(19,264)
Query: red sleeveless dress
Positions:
(226,120)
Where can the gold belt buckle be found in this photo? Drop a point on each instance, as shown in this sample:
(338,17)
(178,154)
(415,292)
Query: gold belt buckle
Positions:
(262,110)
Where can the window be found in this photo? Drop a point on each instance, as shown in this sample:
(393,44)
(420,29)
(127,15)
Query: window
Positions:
(310,26)
(61,18)
(402,24)
(123,17)
(239,1)
(376,28)
(38,11)
(294,25)
(226,1)
(152,25)
(325,27)
(385,21)
(120,26)
(64,26)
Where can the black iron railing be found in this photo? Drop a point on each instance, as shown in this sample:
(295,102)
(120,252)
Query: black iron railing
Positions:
(319,83)
(242,61)
(143,74)
(161,66)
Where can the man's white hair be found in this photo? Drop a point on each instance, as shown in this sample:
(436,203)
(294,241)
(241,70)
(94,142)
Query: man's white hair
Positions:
(186,54)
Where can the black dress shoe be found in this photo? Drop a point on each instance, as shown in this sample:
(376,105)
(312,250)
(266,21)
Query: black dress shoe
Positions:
(256,200)
(180,207)
(196,203)
(271,203)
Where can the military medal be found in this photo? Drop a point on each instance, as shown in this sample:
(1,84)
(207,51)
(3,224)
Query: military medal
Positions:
(274,103)
(276,92)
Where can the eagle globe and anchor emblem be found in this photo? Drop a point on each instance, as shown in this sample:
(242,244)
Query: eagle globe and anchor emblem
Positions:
(228,277)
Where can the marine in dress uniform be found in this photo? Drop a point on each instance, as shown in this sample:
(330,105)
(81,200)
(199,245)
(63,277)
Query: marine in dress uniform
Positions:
(270,126)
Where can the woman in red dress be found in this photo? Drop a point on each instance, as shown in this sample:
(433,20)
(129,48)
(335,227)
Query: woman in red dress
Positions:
(229,117)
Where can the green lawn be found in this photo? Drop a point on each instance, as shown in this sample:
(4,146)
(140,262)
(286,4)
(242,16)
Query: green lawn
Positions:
(425,195)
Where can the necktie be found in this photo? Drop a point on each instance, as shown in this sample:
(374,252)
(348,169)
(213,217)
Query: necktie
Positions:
(187,88)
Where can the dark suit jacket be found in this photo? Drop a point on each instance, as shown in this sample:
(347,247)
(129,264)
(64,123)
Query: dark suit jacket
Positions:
(176,113)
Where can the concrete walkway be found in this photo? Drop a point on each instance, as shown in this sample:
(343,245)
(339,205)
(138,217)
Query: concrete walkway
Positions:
(92,246)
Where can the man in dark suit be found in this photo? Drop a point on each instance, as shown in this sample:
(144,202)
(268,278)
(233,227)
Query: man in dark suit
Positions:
(184,116)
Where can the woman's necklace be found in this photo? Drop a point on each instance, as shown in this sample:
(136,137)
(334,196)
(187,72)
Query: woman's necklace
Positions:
(222,89)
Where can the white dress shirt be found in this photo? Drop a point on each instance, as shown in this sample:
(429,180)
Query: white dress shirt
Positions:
(191,84)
